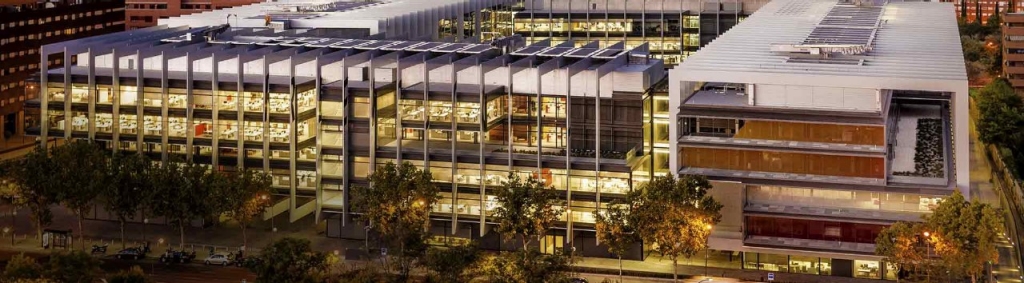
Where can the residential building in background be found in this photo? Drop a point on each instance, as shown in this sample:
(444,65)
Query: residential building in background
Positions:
(1013,49)
(820,123)
(673,28)
(983,9)
(25,26)
(444,20)
(145,13)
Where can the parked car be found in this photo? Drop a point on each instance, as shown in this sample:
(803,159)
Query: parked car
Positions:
(172,256)
(218,259)
(99,249)
(130,253)
(578,280)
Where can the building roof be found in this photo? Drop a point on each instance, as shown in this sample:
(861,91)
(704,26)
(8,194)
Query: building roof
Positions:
(906,40)
(372,14)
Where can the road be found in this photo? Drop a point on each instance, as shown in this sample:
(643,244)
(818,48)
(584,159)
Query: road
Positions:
(164,273)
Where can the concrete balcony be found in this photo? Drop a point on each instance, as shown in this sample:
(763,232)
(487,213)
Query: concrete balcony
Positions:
(1017,82)
(1013,57)
(776,144)
(1013,44)
(1013,31)
(758,175)
(804,244)
(881,216)
(1015,70)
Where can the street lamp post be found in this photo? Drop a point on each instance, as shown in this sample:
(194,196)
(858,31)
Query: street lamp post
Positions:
(14,221)
(928,254)
(707,250)
(145,222)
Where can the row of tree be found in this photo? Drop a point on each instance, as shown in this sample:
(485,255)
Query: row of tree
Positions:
(673,216)
(1001,123)
(80,175)
(956,240)
(982,46)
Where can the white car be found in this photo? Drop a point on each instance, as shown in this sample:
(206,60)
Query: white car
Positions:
(218,259)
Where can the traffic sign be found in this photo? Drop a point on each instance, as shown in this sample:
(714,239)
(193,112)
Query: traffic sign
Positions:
(771,276)
(383,251)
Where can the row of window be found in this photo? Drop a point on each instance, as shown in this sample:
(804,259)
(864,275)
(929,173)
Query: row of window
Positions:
(55,19)
(177,98)
(146,6)
(67,31)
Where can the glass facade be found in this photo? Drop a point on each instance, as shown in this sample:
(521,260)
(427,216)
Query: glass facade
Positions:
(812,229)
(830,198)
(787,263)
(669,37)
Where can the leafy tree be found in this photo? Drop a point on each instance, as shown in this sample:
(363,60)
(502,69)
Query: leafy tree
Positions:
(398,206)
(246,197)
(615,231)
(527,266)
(452,264)
(22,267)
(964,234)
(129,189)
(902,246)
(184,191)
(81,167)
(676,216)
(1000,120)
(34,185)
(289,260)
(73,267)
(525,208)
(133,275)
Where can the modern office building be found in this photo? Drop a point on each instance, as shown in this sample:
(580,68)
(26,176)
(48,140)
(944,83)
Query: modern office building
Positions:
(321,113)
(673,28)
(429,20)
(27,25)
(145,13)
(1013,50)
(821,122)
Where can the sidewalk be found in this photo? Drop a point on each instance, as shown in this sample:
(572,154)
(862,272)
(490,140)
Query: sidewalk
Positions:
(228,238)
(987,187)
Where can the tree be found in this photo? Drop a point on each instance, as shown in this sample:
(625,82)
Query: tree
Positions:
(902,246)
(289,260)
(398,206)
(1000,120)
(130,187)
(34,185)
(615,231)
(81,167)
(964,234)
(184,192)
(22,267)
(133,275)
(526,208)
(73,267)
(247,196)
(452,264)
(675,216)
(527,266)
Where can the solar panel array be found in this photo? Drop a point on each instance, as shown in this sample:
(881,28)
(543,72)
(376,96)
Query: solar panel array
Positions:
(413,46)
(846,24)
